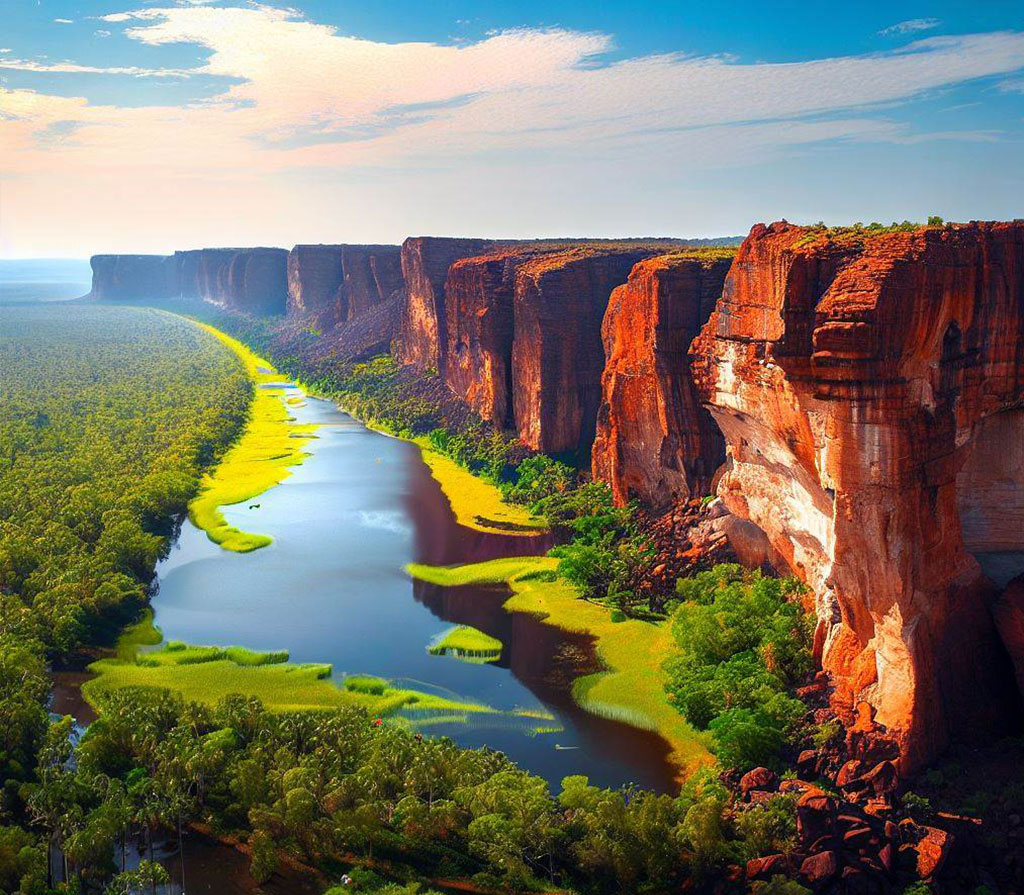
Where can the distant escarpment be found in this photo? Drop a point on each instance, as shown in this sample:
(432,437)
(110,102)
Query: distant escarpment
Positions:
(333,284)
(654,440)
(127,277)
(870,387)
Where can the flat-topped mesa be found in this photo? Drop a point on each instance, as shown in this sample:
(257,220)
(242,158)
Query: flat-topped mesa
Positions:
(333,284)
(557,354)
(425,264)
(254,281)
(132,277)
(654,440)
(870,387)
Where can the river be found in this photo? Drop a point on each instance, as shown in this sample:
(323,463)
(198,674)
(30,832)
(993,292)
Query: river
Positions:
(332,588)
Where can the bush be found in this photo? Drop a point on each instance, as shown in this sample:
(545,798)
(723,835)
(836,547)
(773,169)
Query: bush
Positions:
(740,645)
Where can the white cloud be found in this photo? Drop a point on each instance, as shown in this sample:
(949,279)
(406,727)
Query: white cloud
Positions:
(64,21)
(910,26)
(101,32)
(300,97)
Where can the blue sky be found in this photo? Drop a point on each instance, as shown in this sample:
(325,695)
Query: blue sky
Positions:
(128,126)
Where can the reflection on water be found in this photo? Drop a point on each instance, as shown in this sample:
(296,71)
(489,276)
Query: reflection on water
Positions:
(331,588)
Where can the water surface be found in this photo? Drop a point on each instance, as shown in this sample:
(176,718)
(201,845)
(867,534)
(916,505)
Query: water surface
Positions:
(331,588)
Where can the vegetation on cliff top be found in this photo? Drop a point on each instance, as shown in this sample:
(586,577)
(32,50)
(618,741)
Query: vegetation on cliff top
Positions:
(269,445)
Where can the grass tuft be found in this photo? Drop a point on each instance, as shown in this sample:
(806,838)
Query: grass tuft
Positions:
(466,643)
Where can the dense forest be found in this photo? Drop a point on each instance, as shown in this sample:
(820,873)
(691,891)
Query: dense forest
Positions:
(107,417)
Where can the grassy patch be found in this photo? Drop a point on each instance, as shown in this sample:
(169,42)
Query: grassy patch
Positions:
(476,503)
(206,674)
(468,644)
(270,443)
(632,690)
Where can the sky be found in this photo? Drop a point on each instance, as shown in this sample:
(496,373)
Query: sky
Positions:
(164,124)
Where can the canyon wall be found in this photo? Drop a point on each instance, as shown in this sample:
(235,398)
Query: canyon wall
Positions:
(654,440)
(333,284)
(425,264)
(870,390)
(127,277)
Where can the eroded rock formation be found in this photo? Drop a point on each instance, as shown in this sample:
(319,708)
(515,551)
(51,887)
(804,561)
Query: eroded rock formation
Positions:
(654,439)
(425,264)
(132,277)
(558,355)
(870,387)
(333,284)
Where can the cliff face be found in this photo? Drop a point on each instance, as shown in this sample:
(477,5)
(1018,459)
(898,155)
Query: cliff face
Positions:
(254,281)
(654,439)
(425,264)
(480,329)
(557,355)
(869,388)
(131,277)
(335,283)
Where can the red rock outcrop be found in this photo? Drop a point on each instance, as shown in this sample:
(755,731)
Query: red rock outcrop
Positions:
(333,284)
(654,439)
(425,264)
(132,277)
(859,379)
(557,354)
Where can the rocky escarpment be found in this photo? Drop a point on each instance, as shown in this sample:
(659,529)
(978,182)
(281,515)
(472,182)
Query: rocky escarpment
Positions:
(654,440)
(425,264)
(254,281)
(557,353)
(132,277)
(870,388)
(522,336)
(333,284)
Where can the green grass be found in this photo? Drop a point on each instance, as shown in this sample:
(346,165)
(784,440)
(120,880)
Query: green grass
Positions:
(270,443)
(632,688)
(468,644)
(206,674)
(477,503)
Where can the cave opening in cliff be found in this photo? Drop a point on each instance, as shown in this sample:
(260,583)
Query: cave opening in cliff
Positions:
(990,495)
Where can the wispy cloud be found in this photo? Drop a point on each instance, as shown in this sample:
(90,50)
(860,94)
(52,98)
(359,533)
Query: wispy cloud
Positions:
(910,26)
(64,21)
(299,96)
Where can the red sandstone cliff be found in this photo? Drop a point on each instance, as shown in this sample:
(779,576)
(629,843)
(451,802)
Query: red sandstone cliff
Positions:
(654,439)
(870,391)
(557,354)
(425,264)
(333,284)
(132,277)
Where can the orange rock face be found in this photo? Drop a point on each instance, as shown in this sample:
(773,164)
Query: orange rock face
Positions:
(869,388)
(333,284)
(654,440)
(425,264)
(557,354)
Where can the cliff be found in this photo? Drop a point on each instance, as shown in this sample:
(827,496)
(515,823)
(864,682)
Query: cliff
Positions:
(654,440)
(254,281)
(425,264)
(333,284)
(131,277)
(869,387)
(557,353)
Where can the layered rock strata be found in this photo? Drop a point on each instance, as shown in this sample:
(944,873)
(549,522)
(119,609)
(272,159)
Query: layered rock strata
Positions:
(869,387)
(333,284)
(425,264)
(654,440)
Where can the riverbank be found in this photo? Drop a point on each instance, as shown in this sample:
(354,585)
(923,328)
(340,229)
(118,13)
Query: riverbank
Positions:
(632,688)
(268,446)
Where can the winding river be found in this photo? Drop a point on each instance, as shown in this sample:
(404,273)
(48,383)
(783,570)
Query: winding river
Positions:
(331,588)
